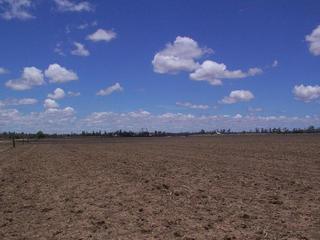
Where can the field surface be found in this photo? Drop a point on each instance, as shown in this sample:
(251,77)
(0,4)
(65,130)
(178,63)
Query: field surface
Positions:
(222,187)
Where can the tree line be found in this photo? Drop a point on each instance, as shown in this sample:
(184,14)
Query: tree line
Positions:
(146,133)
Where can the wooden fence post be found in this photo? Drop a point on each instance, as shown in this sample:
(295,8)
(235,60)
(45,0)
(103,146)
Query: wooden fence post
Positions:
(13,142)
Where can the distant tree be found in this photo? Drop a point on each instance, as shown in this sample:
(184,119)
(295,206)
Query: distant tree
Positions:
(40,135)
(311,129)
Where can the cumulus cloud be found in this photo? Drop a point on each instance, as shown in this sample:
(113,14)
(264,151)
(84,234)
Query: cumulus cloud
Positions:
(314,41)
(73,6)
(109,90)
(8,117)
(237,116)
(178,56)
(80,50)
(59,74)
(50,103)
(134,120)
(183,55)
(238,96)
(3,70)
(50,120)
(306,93)
(57,94)
(16,9)
(33,76)
(17,102)
(192,106)
(176,122)
(30,77)
(102,35)
(65,120)
(213,72)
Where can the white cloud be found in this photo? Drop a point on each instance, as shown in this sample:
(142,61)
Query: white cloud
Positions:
(251,109)
(80,50)
(237,116)
(27,101)
(238,96)
(176,122)
(107,91)
(31,77)
(182,55)
(83,26)
(58,74)
(253,72)
(86,25)
(73,6)
(214,72)
(314,41)
(50,120)
(50,103)
(192,106)
(3,70)
(58,49)
(275,63)
(65,120)
(178,56)
(16,102)
(102,35)
(57,94)
(74,94)
(306,93)
(9,117)
(16,9)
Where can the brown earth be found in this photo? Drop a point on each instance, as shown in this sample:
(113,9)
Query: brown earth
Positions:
(222,187)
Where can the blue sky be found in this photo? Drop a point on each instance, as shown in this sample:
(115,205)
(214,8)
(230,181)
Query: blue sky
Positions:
(68,65)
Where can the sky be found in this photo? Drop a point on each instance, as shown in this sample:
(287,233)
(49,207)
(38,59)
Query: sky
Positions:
(184,65)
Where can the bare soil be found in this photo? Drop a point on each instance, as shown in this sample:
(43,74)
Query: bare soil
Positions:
(222,187)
